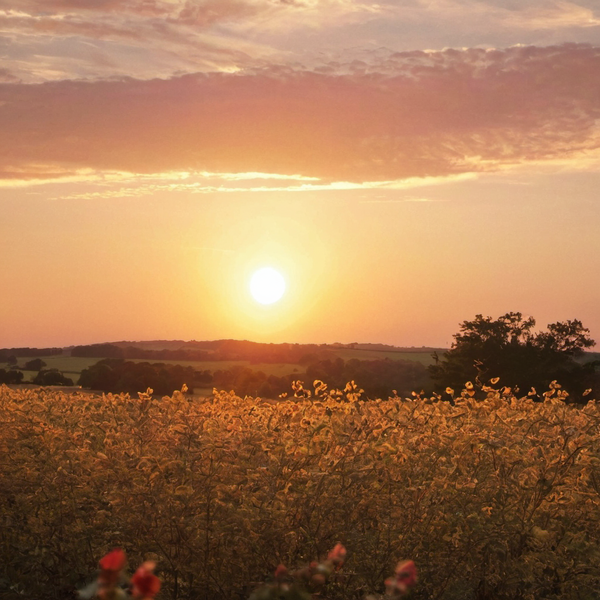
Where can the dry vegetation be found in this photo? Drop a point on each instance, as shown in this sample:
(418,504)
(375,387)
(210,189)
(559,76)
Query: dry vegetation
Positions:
(494,498)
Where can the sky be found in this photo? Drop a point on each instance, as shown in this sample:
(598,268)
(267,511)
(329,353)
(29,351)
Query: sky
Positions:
(404,164)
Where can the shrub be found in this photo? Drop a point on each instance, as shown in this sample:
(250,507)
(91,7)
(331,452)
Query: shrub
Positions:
(11,376)
(36,364)
(51,377)
(493,499)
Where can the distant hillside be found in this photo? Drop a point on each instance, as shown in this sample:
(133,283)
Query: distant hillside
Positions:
(221,350)
(217,350)
(252,368)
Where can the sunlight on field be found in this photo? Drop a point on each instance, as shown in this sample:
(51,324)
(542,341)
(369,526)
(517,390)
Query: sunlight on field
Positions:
(223,490)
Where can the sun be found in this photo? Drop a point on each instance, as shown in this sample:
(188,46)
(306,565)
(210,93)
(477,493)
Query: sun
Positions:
(267,285)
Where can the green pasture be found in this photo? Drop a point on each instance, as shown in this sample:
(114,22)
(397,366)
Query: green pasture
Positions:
(424,358)
(72,366)
(277,369)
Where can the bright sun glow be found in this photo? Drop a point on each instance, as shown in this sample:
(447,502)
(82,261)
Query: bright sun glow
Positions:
(267,285)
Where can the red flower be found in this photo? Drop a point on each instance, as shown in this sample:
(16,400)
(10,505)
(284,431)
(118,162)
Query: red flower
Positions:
(145,583)
(337,555)
(281,572)
(113,561)
(406,574)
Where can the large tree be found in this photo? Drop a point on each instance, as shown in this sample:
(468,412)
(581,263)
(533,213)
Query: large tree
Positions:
(509,348)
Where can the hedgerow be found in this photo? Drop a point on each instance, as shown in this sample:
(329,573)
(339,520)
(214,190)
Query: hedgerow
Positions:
(494,498)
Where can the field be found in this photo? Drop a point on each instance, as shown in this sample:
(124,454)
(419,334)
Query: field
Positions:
(425,358)
(493,499)
(71,366)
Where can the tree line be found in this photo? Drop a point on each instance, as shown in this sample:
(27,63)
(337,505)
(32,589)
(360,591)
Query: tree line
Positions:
(522,359)
(378,378)
(44,377)
(134,352)
(9,355)
(506,349)
(219,350)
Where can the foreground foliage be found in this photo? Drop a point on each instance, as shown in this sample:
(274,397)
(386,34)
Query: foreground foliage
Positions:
(498,498)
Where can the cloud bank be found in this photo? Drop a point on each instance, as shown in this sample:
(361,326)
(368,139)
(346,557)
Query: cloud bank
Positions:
(414,114)
(44,40)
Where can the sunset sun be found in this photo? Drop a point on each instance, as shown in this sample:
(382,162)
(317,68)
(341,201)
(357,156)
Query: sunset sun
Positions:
(267,285)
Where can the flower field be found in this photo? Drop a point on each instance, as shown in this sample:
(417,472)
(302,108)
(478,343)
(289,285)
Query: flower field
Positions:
(496,498)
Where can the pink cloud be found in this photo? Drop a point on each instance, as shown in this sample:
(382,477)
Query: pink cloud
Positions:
(417,114)
(200,13)
(7,76)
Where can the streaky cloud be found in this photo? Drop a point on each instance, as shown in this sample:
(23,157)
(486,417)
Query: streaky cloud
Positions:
(422,114)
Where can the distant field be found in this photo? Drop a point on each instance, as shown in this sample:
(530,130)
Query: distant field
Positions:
(424,358)
(277,369)
(71,366)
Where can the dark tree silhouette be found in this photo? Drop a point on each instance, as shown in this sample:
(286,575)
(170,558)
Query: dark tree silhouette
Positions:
(37,364)
(51,377)
(11,376)
(508,348)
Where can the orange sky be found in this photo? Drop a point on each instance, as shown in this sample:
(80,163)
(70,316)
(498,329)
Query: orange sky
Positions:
(402,178)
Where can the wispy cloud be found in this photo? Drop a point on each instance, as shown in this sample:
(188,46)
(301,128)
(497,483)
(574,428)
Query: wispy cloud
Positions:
(524,14)
(398,200)
(148,189)
(161,38)
(44,175)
